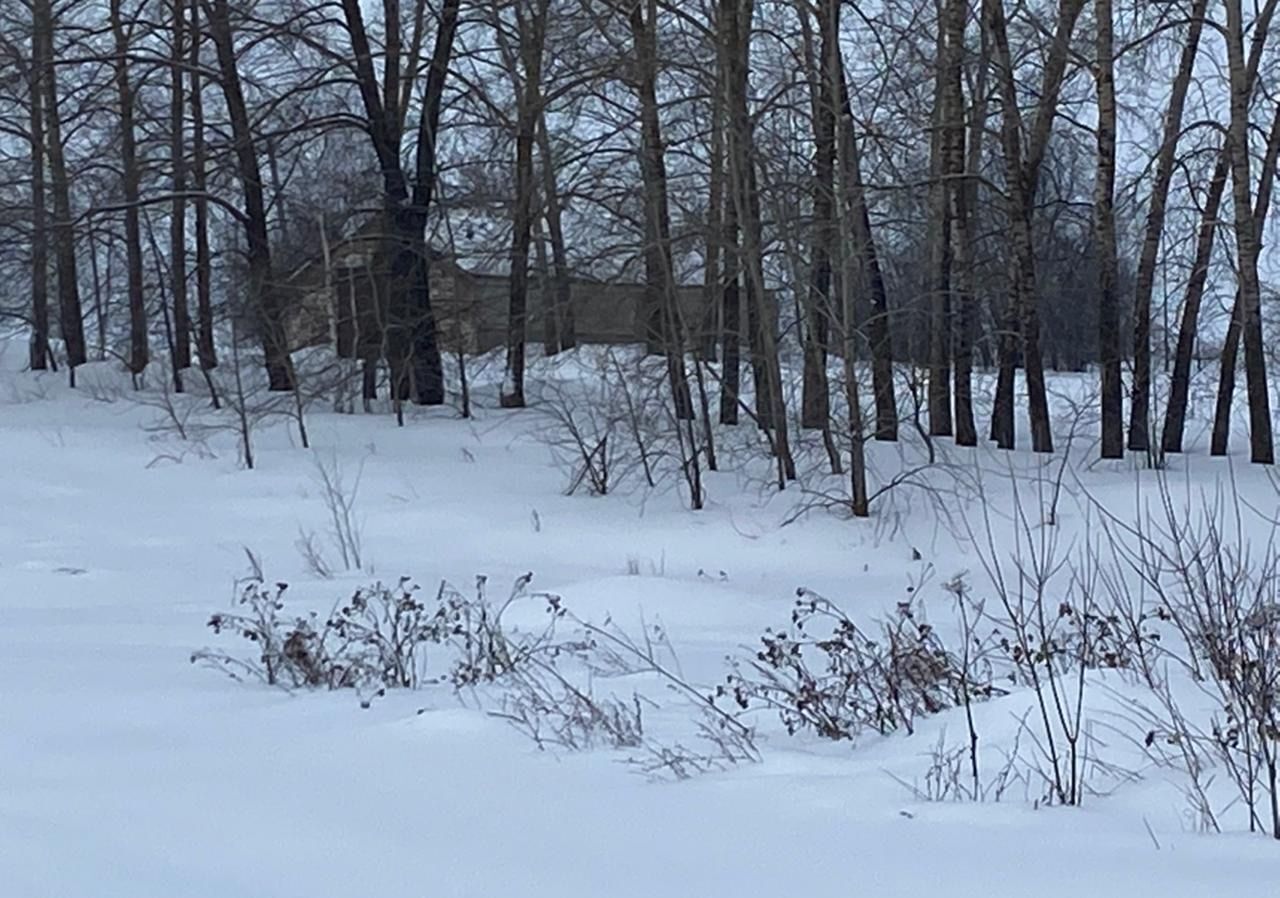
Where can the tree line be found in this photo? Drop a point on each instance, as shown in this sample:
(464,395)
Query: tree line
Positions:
(891,200)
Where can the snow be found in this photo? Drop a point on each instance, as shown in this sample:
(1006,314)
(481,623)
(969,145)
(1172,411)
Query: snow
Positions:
(129,771)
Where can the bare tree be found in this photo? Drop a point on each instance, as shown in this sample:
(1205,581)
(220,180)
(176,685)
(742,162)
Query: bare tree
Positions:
(526,70)
(71,323)
(559,325)
(1022,175)
(1248,316)
(869,271)
(1139,411)
(943,183)
(262,288)
(815,409)
(659,266)
(961,192)
(770,409)
(1176,411)
(850,211)
(130,178)
(1180,383)
(39,70)
(413,352)
(730,278)
(178,213)
(205,342)
(1104,224)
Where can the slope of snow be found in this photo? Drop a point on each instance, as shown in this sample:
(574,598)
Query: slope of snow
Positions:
(127,771)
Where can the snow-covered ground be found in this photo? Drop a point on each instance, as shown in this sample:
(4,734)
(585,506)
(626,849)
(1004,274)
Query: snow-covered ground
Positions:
(127,771)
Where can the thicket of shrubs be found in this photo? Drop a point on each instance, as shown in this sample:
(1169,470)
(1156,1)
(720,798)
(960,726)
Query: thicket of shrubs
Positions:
(1181,608)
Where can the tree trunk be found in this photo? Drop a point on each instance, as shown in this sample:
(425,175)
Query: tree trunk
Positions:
(712,284)
(815,409)
(760,326)
(559,309)
(962,196)
(1180,383)
(70,320)
(1248,245)
(166,319)
(408,322)
(848,253)
(1175,414)
(206,345)
(730,290)
(762,315)
(1104,225)
(1022,175)
(396,257)
(178,215)
(96,278)
(550,329)
(1231,341)
(1246,318)
(262,291)
(659,265)
(868,268)
(518,298)
(1002,410)
(428,369)
(130,178)
(528,90)
(941,185)
(39,352)
(731,318)
(1166,161)
(1003,430)
(1227,364)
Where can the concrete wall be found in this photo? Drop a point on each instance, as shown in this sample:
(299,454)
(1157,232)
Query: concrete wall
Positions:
(603,313)
(470,309)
